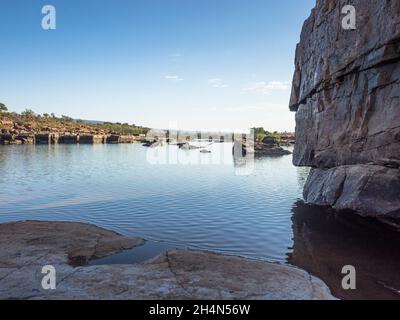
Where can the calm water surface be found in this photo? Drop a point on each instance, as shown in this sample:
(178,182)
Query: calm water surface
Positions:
(114,186)
(249,211)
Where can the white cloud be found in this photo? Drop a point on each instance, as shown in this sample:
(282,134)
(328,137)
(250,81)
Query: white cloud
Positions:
(246,108)
(238,108)
(176,57)
(173,78)
(267,87)
(217,83)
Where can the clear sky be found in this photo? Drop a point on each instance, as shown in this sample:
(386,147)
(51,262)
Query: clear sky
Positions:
(205,64)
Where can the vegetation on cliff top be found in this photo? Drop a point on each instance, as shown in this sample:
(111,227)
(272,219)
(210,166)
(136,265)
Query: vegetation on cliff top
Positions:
(260,134)
(30,122)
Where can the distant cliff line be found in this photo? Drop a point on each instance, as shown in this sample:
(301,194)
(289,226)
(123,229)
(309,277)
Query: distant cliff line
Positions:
(29,122)
(24,126)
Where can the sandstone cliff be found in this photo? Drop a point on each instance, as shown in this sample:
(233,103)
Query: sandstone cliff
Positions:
(346,95)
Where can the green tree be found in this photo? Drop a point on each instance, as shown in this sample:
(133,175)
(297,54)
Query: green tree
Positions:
(3,107)
(29,113)
(66,118)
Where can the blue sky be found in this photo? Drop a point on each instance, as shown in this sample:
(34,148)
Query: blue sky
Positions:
(205,64)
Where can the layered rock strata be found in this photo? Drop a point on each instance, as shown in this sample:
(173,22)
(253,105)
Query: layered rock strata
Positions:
(346,95)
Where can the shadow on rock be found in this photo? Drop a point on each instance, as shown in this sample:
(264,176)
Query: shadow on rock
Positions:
(325,241)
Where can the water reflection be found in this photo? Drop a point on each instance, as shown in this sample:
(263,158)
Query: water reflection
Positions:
(325,241)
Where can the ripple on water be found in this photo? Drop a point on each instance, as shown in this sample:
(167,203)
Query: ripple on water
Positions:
(205,206)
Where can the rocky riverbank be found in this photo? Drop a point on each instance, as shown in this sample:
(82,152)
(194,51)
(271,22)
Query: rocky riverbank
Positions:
(180,274)
(268,147)
(346,98)
(31,128)
(56,138)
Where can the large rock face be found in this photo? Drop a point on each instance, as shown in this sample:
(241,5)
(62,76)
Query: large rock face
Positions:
(346,94)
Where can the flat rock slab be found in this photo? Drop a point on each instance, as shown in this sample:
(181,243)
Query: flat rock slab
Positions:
(180,274)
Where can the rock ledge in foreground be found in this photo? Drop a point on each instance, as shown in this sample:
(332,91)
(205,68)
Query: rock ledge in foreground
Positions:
(28,246)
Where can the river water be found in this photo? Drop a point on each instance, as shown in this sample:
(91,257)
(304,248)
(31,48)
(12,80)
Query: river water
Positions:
(178,198)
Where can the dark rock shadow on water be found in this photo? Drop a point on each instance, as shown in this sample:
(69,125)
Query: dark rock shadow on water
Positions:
(140,254)
(325,241)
